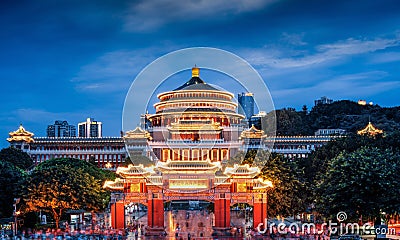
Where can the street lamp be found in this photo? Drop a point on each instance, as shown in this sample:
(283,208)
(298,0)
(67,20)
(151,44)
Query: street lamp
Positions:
(16,213)
(108,165)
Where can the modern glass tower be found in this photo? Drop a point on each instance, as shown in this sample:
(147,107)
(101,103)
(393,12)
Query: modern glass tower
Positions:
(61,129)
(90,128)
(246,104)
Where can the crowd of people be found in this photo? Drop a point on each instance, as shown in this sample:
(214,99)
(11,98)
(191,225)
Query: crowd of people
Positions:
(59,234)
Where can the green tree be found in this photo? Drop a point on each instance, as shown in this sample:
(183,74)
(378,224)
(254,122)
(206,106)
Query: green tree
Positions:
(319,159)
(361,183)
(11,180)
(77,163)
(16,157)
(290,122)
(286,197)
(61,184)
(290,194)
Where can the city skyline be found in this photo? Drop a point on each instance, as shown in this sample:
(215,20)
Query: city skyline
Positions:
(71,61)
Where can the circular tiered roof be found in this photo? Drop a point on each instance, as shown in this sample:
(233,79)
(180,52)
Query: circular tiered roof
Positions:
(195,96)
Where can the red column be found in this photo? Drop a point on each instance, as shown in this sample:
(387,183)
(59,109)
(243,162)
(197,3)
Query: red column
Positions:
(260,212)
(222,213)
(155,213)
(117,215)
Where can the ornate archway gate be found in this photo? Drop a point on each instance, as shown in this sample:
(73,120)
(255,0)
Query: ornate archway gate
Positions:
(171,180)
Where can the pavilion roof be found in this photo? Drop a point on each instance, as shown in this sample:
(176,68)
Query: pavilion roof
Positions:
(135,171)
(20,135)
(242,171)
(117,184)
(252,132)
(188,165)
(369,130)
(137,133)
(261,183)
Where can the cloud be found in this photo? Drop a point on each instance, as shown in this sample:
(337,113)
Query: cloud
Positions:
(41,116)
(279,58)
(359,85)
(113,71)
(293,39)
(356,46)
(151,15)
(386,57)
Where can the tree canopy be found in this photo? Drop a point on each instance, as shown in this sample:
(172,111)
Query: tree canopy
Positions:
(361,183)
(289,194)
(341,171)
(11,180)
(60,184)
(16,157)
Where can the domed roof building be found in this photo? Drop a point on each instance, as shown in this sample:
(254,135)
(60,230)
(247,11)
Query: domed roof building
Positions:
(199,115)
(195,100)
(194,129)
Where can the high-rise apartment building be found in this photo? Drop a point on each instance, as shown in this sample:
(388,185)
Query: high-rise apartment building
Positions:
(246,104)
(61,129)
(323,100)
(90,128)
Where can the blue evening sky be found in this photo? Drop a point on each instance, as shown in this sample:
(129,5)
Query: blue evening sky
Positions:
(68,60)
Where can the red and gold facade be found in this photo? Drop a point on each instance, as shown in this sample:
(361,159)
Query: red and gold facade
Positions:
(195,122)
(194,130)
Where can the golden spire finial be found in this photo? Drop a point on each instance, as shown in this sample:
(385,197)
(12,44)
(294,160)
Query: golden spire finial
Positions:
(195,71)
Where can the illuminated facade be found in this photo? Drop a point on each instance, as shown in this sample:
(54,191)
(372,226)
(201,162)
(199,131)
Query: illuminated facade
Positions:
(21,138)
(115,149)
(193,130)
(195,122)
(106,150)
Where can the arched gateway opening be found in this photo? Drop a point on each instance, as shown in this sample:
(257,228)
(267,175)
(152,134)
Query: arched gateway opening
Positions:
(194,130)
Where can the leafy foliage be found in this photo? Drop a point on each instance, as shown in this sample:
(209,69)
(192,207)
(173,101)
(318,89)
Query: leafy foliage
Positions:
(334,170)
(319,160)
(16,157)
(286,197)
(66,183)
(289,122)
(361,183)
(289,195)
(11,179)
(76,163)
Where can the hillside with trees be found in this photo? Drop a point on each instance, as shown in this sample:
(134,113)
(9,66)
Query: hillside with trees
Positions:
(344,114)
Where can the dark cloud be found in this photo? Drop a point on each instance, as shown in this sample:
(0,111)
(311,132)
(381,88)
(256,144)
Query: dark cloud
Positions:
(67,58)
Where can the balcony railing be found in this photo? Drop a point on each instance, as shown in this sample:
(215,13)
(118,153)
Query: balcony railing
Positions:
(70,151)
